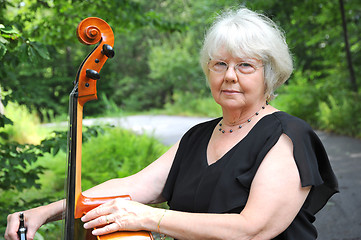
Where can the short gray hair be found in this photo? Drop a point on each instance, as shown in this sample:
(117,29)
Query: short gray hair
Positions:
(247,34)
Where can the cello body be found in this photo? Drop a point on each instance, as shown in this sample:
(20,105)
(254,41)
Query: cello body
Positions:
(90,31)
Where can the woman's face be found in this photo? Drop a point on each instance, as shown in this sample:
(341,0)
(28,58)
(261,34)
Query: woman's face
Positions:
(241,85)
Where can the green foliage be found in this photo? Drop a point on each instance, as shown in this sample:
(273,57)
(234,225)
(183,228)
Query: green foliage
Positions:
(311,101)
(7,34)
(117,153)
(314,33)
(16,164)
(180,71)
(39,53)
(18,152)
(299,97)
(341,115)
(4,121)
(25,127)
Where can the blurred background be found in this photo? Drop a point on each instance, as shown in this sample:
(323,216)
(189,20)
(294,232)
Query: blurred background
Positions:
(155,71)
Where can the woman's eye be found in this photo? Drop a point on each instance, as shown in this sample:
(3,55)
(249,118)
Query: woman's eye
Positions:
(221,64)
(245,65)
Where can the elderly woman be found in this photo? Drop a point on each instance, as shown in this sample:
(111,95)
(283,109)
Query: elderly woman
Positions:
(254,173)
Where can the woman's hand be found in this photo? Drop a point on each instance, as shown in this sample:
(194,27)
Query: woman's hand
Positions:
(121,215)
(34,218)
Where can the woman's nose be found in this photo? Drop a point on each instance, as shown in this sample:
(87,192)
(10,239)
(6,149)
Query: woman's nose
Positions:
(231,74)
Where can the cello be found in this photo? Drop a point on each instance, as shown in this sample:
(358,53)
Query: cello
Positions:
(90,31)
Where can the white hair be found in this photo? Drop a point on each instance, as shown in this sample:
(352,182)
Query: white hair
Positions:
(246,34)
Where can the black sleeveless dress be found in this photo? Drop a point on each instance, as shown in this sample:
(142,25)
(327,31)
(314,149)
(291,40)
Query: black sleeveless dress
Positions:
(223,187)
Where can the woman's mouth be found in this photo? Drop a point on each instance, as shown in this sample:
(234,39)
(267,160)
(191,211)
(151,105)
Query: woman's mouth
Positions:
(230,91)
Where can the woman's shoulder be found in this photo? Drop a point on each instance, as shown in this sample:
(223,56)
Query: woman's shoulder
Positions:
(289,120)
(298,130)
(291,125)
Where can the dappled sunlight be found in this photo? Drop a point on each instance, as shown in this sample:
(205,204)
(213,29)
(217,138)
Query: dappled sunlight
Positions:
(26,125)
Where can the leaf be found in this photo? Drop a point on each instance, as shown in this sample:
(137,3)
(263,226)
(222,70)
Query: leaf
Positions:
(4,135)
(3,50)
(3,40)
(4,120)
(56,149)
(8,29)
(30,157)
(31,53)
(41,50)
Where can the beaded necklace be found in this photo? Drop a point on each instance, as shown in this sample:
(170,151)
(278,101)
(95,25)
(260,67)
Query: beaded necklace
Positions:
(242,124)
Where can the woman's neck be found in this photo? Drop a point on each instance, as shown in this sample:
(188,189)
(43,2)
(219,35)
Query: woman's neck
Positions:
(239,116)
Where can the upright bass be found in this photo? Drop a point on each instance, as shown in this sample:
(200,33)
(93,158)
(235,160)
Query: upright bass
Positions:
(90,31)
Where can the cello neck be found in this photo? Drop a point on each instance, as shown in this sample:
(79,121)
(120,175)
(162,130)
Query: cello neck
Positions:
(73,190)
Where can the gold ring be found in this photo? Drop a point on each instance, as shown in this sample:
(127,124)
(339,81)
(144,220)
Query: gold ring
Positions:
(106,219)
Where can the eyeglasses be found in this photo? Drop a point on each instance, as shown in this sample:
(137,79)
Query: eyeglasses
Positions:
(219,66)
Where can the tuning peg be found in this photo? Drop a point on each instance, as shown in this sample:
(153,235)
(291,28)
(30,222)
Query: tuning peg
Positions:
(90,73)
(108,51)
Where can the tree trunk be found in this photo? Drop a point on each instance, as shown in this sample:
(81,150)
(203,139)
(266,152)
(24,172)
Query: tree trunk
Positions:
(347,49)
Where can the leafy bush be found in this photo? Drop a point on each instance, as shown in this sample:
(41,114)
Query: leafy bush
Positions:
(327,106)
(299,98)
(341,115)
(117,153)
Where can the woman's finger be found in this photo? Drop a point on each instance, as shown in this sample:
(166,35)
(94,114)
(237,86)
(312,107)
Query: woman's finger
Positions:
(101,210)
(100,221)
(113,227)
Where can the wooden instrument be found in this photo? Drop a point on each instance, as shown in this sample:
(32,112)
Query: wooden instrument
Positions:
(90,31)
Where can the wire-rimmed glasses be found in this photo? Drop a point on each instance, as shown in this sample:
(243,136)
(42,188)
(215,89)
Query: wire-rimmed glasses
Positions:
(219,66)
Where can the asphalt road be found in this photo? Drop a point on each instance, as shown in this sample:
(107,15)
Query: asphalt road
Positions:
(340,219)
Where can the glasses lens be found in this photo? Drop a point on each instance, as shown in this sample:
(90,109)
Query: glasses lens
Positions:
(218,66)
(245,68)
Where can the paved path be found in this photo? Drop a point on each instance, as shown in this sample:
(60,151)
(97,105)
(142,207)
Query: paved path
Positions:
(340,219)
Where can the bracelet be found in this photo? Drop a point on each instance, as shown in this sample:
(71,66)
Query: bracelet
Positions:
(162,236)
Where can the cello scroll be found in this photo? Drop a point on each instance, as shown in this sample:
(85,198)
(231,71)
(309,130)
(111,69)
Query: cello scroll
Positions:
(91,31)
